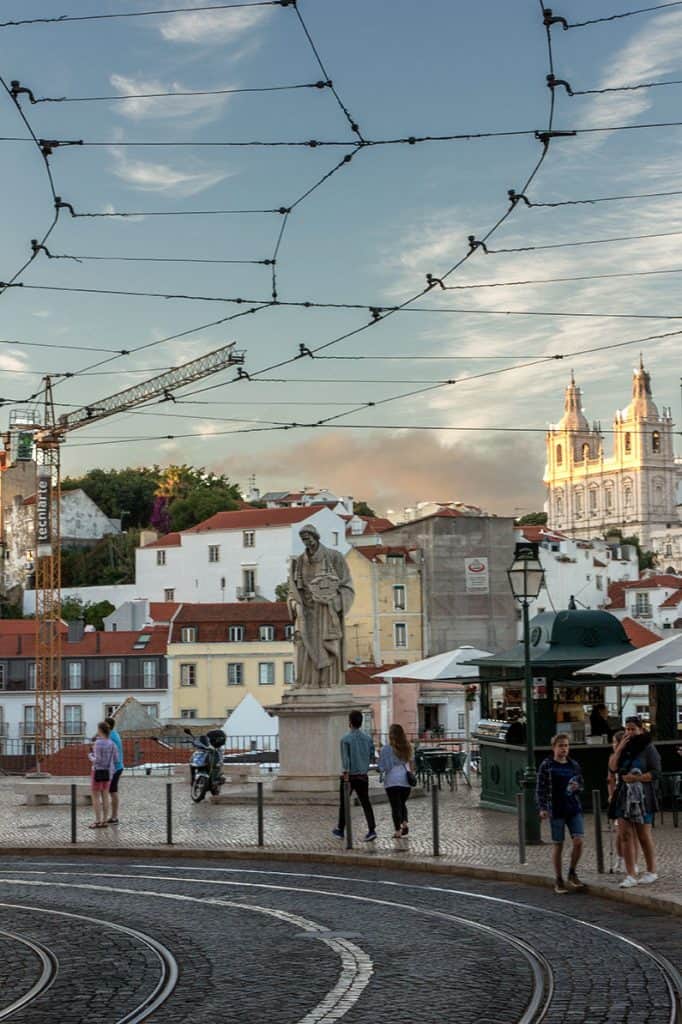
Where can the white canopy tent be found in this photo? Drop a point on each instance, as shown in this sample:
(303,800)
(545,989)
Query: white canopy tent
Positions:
(450,666)
(654,659)
(251,721)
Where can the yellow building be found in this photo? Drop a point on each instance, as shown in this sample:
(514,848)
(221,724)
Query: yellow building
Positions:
(217,653)
(384,625)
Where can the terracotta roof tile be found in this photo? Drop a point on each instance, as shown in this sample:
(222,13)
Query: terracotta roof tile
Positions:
(21,627)
(169,540)
(372,551)
(363,673)
(96,644)
(639,635)
(673,600)
(213,620)
(163,611)
(253,518)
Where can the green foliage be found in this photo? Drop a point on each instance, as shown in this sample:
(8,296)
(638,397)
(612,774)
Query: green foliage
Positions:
(282,591)
(646,559)
(361,508)
(110,561)
(11,609)
(130,493)
(93,613)
(533,519)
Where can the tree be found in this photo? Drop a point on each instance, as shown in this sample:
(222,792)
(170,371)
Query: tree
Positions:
(92,613)
(533,519)
(282,591)
(110,561)
(361,508)
(127,493)
(199,505)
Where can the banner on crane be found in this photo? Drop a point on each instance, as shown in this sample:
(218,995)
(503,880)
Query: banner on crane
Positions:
(44,512)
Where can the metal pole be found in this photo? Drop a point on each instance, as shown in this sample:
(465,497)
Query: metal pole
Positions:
(521,825)
(435,821)
(349,826)
(259,805)
(169,813)
(73,812)
(598,841)
(532,823)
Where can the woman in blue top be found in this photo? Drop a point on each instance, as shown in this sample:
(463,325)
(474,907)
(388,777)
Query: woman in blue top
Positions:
(637,765)
(394,763)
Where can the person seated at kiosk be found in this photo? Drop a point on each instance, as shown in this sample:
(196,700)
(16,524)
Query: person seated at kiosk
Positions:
(599,721)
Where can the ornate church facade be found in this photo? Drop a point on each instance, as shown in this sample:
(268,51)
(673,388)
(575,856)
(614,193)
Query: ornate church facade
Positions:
(633,489)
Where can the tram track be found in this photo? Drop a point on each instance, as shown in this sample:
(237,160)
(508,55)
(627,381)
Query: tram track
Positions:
(539,1002)
(168,975)
(49,969)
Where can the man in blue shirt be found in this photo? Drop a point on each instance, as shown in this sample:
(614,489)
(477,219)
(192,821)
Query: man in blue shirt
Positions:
(118,770)
(357,751)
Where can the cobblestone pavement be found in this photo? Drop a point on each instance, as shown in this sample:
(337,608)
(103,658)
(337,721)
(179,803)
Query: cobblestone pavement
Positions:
(173,941)
(470,836)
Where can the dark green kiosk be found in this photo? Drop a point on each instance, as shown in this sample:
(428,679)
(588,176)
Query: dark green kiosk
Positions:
(561,643)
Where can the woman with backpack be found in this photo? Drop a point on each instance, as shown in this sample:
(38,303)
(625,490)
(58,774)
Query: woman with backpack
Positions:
(637,765)
(395,767)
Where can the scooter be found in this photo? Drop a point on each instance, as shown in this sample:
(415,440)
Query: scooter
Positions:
(206,764)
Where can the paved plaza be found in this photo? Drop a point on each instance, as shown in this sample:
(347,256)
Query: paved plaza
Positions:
(470,838)
(113,940)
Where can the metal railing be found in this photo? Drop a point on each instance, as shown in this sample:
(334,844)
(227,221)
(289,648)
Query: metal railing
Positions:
(74,728)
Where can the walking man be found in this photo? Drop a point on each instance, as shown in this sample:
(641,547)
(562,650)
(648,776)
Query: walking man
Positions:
(118,770)
(559,783)
(357,750)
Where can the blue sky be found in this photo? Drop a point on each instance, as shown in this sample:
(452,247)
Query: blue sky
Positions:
(368,235)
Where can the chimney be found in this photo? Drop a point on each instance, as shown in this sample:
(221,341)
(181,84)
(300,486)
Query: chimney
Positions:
(76,631)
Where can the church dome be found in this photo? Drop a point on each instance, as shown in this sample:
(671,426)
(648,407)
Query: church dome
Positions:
(642,406)
(574,417)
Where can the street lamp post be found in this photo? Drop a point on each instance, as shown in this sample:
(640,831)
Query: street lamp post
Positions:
(526,579)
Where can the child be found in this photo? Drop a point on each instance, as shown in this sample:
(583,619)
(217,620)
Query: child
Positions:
(559,782)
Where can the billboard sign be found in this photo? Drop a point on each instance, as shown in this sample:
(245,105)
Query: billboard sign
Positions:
(44,512)
(477,575)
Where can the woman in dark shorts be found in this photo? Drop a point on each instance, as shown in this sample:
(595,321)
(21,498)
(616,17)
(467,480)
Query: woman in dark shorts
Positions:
(637,764)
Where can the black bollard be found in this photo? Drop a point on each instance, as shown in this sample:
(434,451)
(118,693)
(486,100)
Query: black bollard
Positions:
(74,837)
(521,823)
(259,805)
(435,821)
(169,813)
(598,841)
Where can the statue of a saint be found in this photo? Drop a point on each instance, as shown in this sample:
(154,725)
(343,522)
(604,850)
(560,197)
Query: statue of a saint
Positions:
(320,595)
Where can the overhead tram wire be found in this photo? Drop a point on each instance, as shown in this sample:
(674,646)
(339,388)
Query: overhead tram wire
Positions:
(560,280)
(319,85)
(624,88)
(64,19)
(381,312)
(622,14)
(604,199)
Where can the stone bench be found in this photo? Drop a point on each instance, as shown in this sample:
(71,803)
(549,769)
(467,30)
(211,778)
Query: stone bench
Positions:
(39,792)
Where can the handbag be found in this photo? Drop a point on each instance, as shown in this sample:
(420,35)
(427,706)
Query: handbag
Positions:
(411,779)
(101,775)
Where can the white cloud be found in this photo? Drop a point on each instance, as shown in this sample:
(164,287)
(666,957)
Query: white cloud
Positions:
(201,109)
(11,361)
(43,314)
(211,27)
(153,177)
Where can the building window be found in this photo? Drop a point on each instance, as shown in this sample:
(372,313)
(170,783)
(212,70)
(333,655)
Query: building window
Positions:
(149,675)
(559,505)
(559,455)
(642,606)
(593,499)
(30,720)
(188,712)
(110,710)
(188,635)
(115,675)
(608,498)
(599,582)
(289,631)
(400,634)
(266,673)
(460,720)
(235,634)
(628,442)
(578,503)
(214,552)
(289,674)
(656,441)
(169,594)
(399,602)
(3,675)
(249,538)
(160,557)
(586,452)
(74,675)
(31,682)
(235,673)
(249,582)
(188,674)
(151,710)
(266,632)
(627,497)
(335,538)
(73,720)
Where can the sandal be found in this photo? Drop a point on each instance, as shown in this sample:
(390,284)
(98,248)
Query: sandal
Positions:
(95,824)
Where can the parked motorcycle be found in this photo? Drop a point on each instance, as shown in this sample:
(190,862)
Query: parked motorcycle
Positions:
(206,764)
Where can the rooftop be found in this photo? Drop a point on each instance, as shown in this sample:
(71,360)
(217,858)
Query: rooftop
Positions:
(639,635)
(96,644)
(374,552)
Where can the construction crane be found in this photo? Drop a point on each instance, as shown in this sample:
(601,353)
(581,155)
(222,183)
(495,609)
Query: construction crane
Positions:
(49,433)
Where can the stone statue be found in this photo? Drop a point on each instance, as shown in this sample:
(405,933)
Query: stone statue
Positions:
(320,595)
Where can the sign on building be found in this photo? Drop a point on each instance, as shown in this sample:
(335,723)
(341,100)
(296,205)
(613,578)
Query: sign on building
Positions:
(23,446)
(476,575)
(44,512)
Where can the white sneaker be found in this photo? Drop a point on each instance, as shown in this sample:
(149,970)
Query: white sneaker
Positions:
(620,866)
(647,878)
(628,882)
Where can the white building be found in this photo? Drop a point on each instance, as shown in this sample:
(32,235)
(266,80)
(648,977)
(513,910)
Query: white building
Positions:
(233,556)
(655,601)
(429,508)
(578,569)
(634,490)
(666,543)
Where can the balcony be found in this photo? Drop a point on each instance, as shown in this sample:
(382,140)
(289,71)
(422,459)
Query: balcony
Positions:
(29,729)
(243,594)
(4,729)
(74,728)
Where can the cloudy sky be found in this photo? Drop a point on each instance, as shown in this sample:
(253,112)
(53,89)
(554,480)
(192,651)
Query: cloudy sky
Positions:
(367,236)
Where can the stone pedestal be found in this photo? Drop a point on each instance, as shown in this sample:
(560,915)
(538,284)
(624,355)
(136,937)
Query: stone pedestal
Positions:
(311,724)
